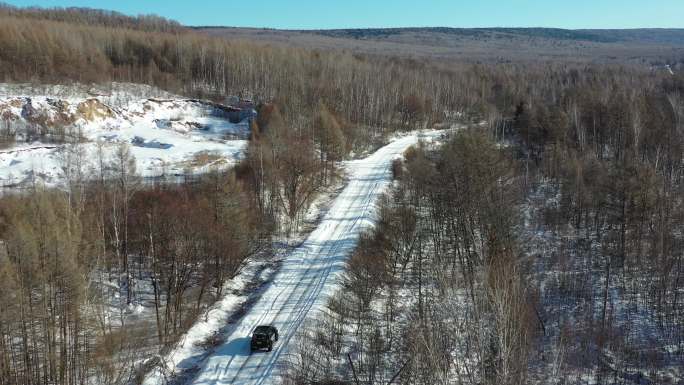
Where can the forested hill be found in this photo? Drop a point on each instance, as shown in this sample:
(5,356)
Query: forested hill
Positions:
(94,17)
(541,244)
(646,35)
(484,44)
(664,36)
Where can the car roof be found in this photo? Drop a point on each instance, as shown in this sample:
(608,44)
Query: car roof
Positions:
(263,329)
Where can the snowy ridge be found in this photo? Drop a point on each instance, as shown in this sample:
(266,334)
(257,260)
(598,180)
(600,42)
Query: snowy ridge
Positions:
(171,136)
(306,279)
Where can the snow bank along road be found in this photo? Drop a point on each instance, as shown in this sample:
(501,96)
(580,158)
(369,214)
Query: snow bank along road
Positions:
(307,275)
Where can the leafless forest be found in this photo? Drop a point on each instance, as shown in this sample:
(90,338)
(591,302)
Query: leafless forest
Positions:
(542,244)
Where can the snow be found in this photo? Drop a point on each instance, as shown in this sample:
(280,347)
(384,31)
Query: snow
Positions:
(243,289)
(190,348)
(172,136)
(307,278)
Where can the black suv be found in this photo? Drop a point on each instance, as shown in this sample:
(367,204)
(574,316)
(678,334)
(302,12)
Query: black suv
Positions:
(263,338)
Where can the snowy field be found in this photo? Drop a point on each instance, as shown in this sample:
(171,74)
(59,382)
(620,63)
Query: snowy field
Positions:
(55,128)
(305,281)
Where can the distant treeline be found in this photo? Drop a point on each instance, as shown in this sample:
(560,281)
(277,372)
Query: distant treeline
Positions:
(95,17)
(480,33)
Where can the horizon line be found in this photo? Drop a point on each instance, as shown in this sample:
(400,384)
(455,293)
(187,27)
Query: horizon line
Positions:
(426,27)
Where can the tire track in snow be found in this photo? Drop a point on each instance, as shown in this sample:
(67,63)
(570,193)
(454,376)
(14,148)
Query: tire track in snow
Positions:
(300,285)
(319,287)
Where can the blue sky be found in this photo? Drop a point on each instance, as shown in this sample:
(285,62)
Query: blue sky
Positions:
(311,14)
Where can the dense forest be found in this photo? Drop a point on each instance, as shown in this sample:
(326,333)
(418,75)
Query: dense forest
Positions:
(546,249)
(543,246)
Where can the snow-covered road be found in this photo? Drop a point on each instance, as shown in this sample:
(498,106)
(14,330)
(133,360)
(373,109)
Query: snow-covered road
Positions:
(307,276)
